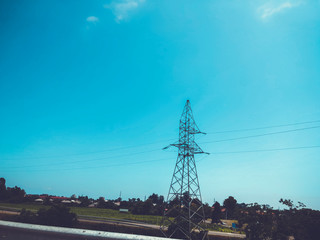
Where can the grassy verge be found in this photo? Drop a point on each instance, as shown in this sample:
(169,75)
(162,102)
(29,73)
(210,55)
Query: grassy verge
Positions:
(109,213)
(215,227)
(220,228)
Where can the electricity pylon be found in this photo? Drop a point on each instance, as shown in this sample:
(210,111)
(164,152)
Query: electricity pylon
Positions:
(184,202)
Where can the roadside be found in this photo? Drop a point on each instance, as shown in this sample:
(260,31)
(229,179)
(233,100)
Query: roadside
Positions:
(115,224)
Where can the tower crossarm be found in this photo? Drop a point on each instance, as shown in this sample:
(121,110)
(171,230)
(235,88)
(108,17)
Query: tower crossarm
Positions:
(184,211)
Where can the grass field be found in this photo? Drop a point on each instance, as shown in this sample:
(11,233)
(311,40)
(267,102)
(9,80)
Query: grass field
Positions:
(31,207)
(215,227)
(94,212)
(108,213)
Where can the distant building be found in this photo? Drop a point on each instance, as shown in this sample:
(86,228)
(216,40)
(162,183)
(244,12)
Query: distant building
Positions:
(123,210)
(95,204)
(39,200)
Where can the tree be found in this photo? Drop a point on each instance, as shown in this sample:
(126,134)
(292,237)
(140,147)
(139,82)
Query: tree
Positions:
(156,198)
(27,216)
(101,202)
(3,189)
(207,210)
(186,198)
(230,204)
(15,194)
(85,202)
(57,215)
(145,207)
(265,223)
(287,202)
(216,213)
(260,222)
(47,201)
(161,199)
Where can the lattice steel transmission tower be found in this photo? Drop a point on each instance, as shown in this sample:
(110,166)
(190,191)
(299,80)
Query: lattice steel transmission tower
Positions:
(184,202)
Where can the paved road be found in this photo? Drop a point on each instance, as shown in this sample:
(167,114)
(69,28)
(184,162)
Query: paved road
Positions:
(146,225)
(122,222)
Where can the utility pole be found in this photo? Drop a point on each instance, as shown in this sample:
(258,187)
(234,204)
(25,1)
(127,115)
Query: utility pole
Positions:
(184,201)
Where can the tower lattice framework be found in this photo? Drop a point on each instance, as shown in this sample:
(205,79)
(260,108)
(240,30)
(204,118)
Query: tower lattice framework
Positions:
(184,202)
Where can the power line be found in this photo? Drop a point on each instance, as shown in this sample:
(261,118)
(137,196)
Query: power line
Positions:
(266,127)
(82,161)
(201,159)
(101,166)
(266,150)
(141,145)
(215,141)
(261,135)
(86,153)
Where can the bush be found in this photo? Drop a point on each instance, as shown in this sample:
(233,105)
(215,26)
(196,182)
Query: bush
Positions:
(27,216)
(57,215)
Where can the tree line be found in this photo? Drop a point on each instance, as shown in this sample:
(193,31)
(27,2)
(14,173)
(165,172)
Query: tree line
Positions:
(15,194)
(257,221)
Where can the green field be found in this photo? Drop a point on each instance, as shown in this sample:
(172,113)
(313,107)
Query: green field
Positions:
(94,212)
(106,213)
(31,207)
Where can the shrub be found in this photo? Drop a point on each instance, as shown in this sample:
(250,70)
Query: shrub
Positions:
(57,215)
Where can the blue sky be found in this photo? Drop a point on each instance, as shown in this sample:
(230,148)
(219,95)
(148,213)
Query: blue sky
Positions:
(91,91)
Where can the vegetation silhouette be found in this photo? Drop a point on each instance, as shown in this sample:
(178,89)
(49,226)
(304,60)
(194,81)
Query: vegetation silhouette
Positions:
(57,215)
(257,221)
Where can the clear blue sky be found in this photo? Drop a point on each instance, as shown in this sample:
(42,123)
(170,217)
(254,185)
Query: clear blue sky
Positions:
(90,92)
